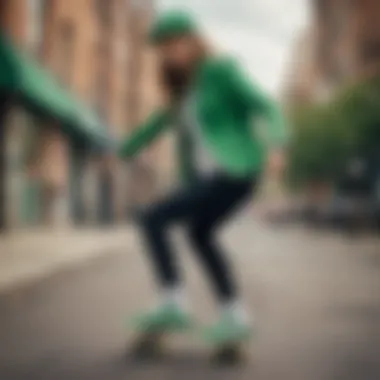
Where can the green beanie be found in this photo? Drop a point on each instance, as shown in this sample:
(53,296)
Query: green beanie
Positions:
(172,24)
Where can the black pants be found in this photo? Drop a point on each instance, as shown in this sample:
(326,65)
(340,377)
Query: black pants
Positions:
(202,207)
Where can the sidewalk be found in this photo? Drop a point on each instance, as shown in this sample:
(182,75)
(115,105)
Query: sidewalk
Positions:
(31,255)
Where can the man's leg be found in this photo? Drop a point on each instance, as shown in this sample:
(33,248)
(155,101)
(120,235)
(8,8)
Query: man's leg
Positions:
(156,221)
(218,208)
(229,195)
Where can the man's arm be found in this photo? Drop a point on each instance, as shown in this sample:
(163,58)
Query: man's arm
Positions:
(157,123)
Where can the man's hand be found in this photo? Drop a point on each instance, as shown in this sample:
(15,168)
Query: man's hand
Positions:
(108,162)
(277,163)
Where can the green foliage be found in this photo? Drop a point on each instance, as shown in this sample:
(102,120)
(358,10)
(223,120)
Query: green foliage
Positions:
(325,137)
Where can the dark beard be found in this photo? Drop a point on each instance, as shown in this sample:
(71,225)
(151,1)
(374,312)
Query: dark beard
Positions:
(176,82)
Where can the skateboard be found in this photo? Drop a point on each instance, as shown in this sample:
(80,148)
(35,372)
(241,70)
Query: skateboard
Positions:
(154,346)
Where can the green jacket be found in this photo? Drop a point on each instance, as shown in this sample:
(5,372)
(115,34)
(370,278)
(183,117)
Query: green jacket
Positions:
(227,106)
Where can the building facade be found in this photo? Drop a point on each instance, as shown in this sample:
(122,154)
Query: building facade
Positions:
(88,45)
(152,172)
(340,47)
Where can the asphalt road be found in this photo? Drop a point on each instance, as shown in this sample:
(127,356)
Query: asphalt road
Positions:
(315,299)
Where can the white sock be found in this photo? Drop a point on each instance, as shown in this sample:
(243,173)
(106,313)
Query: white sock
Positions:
(175,296)
(236,310)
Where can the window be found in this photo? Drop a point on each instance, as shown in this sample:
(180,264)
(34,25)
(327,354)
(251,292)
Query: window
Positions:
(370,51)
(101,83)
(36,24)
(320,8)
(142,4)
(103,10)
(65,52)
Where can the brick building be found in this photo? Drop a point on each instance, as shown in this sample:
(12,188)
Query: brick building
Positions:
(302,76)
(144,94)
(89,46)
(342,46)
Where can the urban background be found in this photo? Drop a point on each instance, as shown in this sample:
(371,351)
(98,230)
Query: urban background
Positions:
(90,55)
(93,55)
(332,98)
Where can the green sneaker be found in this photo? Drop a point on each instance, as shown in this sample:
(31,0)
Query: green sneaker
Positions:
(163,319)
(227,330)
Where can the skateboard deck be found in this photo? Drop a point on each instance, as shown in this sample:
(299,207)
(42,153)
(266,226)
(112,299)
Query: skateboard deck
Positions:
(155,346)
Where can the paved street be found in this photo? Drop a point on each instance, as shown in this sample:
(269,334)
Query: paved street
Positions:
(31,255)
(315,297)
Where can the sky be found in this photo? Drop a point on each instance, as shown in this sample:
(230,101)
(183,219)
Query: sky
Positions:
(262,33)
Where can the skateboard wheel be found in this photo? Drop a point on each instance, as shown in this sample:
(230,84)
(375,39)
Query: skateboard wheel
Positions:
(229,355)
(148,346)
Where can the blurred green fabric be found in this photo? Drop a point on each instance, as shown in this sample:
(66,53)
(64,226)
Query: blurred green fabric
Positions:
(26,81)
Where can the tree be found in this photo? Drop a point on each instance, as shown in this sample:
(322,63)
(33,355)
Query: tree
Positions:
(326,137)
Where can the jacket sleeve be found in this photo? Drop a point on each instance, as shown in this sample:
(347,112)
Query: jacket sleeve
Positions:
(145,134)
(253,98)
